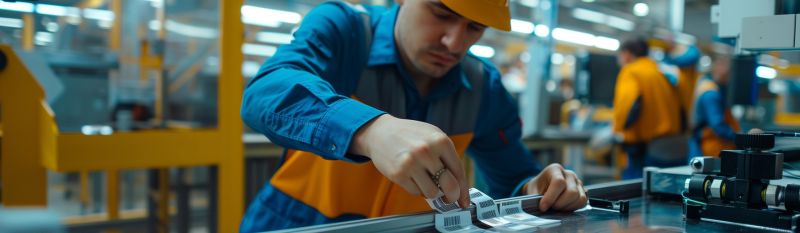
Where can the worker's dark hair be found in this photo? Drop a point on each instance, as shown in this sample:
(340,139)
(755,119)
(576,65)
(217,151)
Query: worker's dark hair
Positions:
(636,46)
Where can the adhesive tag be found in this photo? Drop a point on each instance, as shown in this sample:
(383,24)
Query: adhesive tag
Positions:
(512,211)
(438,204)
(487,213)
(456,221)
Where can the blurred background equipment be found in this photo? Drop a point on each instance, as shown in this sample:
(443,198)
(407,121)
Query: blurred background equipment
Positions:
(597,76)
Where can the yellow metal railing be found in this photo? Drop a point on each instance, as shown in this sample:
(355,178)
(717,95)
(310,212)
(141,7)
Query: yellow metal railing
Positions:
(32,143)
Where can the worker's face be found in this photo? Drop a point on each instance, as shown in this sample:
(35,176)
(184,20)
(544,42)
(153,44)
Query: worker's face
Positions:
(624,57)
(720,70)
(431,38)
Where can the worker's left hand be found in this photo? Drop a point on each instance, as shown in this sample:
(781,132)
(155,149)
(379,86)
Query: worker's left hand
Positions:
(561,189)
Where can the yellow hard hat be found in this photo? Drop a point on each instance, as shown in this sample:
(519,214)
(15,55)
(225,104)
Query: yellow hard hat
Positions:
(492,13)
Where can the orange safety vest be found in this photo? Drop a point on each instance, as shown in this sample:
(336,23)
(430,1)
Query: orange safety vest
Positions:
(336,187)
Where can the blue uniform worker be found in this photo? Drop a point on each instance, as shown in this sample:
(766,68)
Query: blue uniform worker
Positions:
(344,76)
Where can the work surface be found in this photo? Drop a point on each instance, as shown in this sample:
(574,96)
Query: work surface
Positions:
(647,214)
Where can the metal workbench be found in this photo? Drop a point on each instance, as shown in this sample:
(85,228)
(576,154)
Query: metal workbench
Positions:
(647,214)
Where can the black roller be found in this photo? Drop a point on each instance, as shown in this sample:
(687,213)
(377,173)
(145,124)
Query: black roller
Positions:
(756,142)
(792,197)
(697,186)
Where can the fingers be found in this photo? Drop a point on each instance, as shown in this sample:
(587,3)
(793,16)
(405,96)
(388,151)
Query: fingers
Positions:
(447,151)
(582,199)
(556,184)
(450,187)
(571,194)
(424,183)
(409,185)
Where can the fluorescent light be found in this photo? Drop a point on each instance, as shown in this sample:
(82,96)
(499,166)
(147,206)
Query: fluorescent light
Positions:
(522,26)
(586,39)
(154,25)
(188,30)
(705,61)
(42,38)
(525,57)
(259,50)
(482,51)
(260,22)
(600,18)
(53,10)
(16,6)
(766,72)
(105,24)
(589,15)
(274,37)
(573,36)
(156,3)
(96,130)
(620,23)
(641,9)
(542,30)
(10,22)
(272,14)
(102,15)
(51,26)
(212,61)
(606,43)
(529,3)
(557,58)
(250,68)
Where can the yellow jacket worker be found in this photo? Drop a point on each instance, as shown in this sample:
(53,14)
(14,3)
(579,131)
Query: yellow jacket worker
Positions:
(377,105)
(646,108)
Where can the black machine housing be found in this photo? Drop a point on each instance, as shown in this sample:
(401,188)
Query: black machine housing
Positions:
(740,190)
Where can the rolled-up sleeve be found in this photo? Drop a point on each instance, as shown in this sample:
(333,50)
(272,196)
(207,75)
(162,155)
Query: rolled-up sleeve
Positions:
(300,99)
(500,157)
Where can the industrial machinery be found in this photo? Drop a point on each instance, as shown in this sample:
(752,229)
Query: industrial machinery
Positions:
(739,190)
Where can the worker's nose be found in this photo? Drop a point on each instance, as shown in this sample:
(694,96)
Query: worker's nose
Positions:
(455,39)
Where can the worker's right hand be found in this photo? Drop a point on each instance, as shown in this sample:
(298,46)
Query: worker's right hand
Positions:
(409,153)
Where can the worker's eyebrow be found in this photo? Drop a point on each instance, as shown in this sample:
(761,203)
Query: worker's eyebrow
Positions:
(441,5)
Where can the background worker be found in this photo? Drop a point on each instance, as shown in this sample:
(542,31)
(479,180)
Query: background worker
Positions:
(647,112)
(713,126)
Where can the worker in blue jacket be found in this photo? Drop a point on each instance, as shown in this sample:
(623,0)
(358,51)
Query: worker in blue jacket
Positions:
(713,125)
(377,106)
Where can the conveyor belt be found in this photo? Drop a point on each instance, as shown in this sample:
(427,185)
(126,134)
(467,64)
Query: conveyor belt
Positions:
(646,215)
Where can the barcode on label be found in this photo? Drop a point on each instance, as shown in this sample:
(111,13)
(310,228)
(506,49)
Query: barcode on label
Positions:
(452,221)
(475,195)
(492,221)
(509,203)
(486,203)
(453,228)
(488,214)
(513,210)
(445,207)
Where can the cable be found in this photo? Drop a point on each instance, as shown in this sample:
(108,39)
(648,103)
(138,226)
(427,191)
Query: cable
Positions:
(791,167)
(793,176)
(688,199)
(782,134)
(791,171)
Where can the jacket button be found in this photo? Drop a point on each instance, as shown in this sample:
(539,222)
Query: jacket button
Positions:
(333,147)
